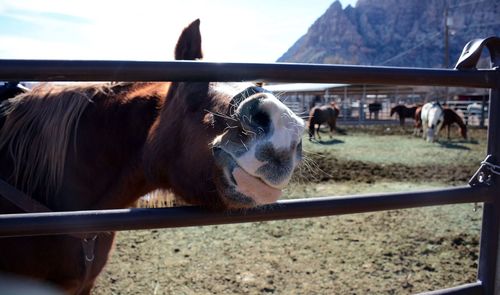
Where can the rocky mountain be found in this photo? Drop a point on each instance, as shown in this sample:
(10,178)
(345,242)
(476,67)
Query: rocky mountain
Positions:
(395,32)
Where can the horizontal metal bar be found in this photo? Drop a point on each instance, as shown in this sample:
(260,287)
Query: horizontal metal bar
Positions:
(130,219)
(466,289)
(79,70)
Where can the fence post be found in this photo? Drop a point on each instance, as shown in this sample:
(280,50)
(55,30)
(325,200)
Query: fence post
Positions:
(489,266)
(489,262)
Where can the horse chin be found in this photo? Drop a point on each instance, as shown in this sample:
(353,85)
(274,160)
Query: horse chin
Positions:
(238,188)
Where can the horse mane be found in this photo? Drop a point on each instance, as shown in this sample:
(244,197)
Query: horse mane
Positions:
(37,133)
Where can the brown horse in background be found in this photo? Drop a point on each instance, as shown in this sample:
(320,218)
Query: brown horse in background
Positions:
(323,114)
(100,146)
(417,128)
(374,108)
(451,117)
(403,112)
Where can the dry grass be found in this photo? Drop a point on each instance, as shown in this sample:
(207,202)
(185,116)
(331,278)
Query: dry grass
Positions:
(159,199)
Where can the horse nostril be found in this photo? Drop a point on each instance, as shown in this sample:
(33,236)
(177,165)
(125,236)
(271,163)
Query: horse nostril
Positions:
(261,119)
(252,117)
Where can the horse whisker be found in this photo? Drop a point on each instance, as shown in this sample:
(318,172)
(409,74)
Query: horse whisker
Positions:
(220,115)
(244,145)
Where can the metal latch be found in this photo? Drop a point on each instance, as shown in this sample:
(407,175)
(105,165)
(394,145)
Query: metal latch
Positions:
(484,175)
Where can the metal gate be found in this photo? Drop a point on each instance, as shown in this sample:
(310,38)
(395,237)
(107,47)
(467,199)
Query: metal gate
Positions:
(483,187)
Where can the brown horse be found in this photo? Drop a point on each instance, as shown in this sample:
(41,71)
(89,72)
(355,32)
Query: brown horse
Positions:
(450,118)
(403,112)
(218,145)
(323,114)
(374,108)
(418,121)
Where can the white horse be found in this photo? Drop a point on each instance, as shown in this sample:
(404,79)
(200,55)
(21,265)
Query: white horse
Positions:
(432,120)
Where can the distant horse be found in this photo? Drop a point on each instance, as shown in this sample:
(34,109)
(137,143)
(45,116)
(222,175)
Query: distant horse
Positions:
(323,114)
(374,108)
(99,146)
(451,117)
(432,120)
(403,112)
(418,121)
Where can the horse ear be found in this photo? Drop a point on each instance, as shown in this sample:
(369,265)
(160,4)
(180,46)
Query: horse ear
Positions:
(189,44)
(189,48)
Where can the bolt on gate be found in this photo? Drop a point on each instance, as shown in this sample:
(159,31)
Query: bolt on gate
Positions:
(484,185)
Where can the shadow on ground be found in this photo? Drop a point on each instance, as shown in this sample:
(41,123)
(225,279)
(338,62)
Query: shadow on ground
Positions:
(453,145)
(328,142)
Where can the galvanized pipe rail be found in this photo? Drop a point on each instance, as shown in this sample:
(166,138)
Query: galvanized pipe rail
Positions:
(77,70)
(132,219)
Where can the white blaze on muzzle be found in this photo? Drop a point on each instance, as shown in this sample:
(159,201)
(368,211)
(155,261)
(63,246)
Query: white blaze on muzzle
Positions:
(289,125)
(272,155)
(263,146)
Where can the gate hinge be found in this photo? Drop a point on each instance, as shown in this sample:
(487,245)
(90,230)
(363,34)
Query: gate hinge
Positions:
(484,175)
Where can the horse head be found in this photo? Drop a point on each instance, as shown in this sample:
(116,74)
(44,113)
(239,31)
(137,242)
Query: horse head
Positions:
(463,128)
(463,131)
(395,109)
(222,145)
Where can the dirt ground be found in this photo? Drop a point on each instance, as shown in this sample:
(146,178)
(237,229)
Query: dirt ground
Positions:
(390,252)
(334,169)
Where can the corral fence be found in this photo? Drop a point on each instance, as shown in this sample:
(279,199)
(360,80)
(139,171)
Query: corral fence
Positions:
(484,185)
(370,104)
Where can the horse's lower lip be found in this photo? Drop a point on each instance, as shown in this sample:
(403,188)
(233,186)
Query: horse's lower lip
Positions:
(256,188)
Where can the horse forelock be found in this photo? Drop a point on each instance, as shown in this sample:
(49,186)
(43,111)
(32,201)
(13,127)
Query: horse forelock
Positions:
(221,93)
(37,134)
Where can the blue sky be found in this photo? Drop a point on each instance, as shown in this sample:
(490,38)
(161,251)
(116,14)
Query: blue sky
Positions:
(244,31)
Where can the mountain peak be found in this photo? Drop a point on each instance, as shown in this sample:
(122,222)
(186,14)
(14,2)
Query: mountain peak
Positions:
(383,32)
(335,6)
